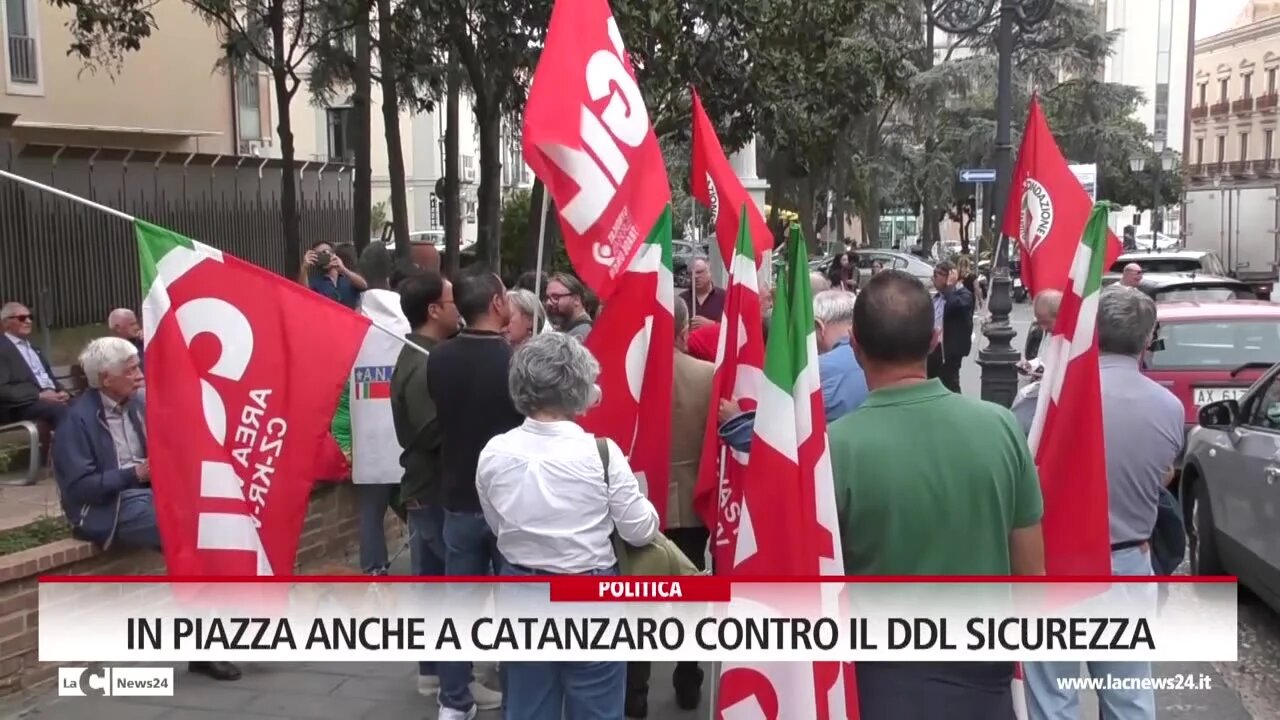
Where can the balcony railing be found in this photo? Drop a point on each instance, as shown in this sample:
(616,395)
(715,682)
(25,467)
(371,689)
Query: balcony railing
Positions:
(23,60)
(1241,168)
(1197,170)
(1220,108)
(1265,168)
(1268,102)
(1199,112)
(1243,105)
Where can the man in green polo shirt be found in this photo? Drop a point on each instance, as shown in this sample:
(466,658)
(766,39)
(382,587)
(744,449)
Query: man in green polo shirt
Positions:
(929,482)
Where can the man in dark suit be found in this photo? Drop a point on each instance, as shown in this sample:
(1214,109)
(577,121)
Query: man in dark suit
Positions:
(28,389)
(953,321)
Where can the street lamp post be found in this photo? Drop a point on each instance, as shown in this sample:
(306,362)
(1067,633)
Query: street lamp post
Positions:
(1163,162)
(961,17)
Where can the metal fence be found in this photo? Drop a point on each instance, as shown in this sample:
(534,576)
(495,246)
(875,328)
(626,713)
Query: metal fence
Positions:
(73,264)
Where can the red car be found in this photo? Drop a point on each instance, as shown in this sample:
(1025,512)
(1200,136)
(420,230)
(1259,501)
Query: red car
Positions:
(1210,351)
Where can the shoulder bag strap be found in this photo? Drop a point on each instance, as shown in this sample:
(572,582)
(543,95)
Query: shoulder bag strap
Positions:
(619,545)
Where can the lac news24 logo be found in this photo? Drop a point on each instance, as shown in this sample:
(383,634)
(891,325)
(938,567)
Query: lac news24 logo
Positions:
(115,681)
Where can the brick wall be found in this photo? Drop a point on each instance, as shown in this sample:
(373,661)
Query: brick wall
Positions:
(330,534)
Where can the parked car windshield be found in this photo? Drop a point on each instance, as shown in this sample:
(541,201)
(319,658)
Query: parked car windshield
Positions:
(1216,344)
(1202,294)
(1162,265)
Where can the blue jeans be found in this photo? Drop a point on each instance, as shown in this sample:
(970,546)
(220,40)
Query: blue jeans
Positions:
(470,548)
(1047,701)
(136,524)
(568,690)
(426,551)
(373,501)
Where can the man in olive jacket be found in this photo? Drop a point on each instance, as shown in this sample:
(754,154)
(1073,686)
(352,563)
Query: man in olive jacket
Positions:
(427,302)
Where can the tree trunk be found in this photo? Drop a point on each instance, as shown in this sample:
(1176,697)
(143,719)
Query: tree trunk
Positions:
(362,186)
(391,127)
(452,209)
(489,201)
(837,200)
(284,129)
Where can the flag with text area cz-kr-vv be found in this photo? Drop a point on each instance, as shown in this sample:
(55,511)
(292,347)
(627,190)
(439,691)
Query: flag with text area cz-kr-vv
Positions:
(788,523)
(244,372)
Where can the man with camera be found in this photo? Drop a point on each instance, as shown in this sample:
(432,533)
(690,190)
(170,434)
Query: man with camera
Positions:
(326,273)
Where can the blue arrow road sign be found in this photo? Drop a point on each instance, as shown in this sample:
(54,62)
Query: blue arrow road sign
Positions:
(977,175)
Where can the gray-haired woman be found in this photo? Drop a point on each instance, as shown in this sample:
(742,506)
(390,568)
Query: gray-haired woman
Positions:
(526,317)
(544,493)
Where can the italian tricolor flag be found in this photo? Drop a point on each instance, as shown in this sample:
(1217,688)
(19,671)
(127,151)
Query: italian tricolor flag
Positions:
(1066,435)
(739,375)
(788,521)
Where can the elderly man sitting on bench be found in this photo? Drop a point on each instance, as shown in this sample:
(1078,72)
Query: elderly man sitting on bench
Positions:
(100,461)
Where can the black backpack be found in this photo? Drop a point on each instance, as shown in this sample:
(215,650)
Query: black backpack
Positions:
(1169,537)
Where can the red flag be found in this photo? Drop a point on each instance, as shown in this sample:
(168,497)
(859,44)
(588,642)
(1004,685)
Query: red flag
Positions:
(713,183)
(634,340)
(1066,436)
(1047,209)
(245,371)
(587,136)
(739,374)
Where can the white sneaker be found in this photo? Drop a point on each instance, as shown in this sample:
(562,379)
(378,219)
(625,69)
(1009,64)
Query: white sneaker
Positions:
(485,698)
(428,685)
(451,714)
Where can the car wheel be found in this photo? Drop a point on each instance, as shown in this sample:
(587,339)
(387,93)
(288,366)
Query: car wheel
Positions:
(1203,540)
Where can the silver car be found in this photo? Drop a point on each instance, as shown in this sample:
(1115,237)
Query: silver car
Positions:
(1230,488)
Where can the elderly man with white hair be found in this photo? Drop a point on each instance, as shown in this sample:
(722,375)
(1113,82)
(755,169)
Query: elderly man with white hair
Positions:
(123,323)
(100,461)
(844,384)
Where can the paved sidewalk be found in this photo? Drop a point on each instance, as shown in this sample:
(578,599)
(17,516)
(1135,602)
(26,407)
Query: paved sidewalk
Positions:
(301,691)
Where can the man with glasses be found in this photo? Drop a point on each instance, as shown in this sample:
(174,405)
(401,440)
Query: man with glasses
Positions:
(566,305)
(28,389)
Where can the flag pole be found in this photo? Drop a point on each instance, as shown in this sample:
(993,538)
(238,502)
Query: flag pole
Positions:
(129,218)
(542,238)
(69,196)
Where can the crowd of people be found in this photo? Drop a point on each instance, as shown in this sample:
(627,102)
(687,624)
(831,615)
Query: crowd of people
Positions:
(497,478)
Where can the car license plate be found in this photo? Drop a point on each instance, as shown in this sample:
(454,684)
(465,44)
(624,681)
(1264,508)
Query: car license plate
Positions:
(1206,395)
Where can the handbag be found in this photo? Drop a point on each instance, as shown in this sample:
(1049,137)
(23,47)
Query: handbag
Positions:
(660,557)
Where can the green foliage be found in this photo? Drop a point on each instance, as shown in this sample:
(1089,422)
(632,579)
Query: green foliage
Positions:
(675,44)
(377,219)
(41,531)
(516,234)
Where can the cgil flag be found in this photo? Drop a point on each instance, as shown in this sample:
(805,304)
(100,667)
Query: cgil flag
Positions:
(1047,209)
(245,370)
(587,136)
(788,523)
(715,184)
(1066,435)
(739,375)
(634,340)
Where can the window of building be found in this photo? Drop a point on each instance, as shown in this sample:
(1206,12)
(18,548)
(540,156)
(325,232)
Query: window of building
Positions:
(1267,137)
(248,104)
(1247,81)
(1222,148)
(1244,146)
(1222,90)
(468,168)
(1199,151)
(1204,94)
(341,129)
(23,50)
(1271,80)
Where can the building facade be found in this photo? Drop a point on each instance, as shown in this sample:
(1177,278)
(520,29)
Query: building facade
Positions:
(150,102)
(1235,93)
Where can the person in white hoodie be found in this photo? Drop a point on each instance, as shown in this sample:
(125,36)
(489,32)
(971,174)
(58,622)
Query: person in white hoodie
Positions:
(375,452)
